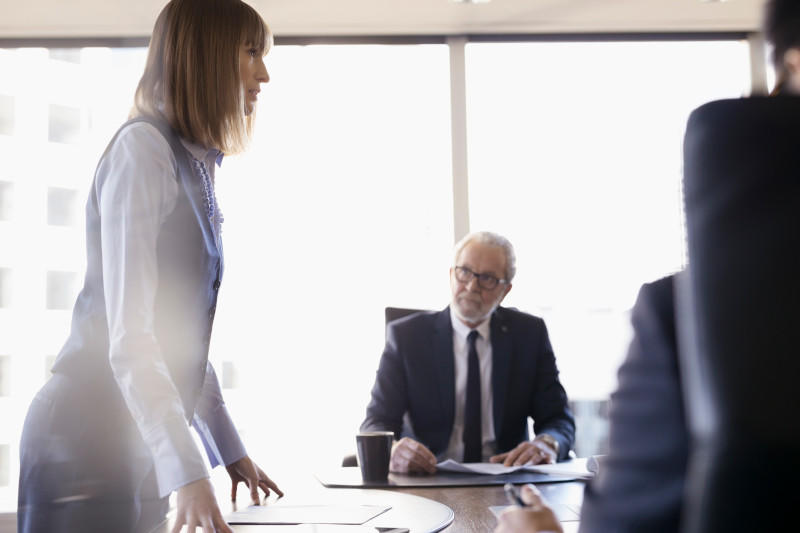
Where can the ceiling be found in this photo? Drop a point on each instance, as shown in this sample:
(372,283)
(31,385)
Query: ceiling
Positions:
(134,18)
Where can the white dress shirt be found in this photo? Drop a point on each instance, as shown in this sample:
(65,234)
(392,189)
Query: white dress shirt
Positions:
(136,186)
(483,344)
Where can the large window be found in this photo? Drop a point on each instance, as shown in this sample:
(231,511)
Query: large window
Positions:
(343,205)
(575,155)
(51,134)
(340,208)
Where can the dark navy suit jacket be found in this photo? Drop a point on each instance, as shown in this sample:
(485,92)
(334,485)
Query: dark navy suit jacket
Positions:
(641,482)
(414,391)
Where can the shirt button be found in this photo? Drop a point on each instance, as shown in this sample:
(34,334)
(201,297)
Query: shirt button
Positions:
(216,284)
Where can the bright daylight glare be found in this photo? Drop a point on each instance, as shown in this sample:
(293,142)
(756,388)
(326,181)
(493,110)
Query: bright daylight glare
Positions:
(344,205)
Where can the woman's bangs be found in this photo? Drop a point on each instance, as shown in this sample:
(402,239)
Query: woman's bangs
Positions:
(255,31)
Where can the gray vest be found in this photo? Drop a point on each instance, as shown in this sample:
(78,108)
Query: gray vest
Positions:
(189,273)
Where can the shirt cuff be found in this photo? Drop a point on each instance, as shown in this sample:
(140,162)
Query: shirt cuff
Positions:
(219,436)
(551,442)
(177,460)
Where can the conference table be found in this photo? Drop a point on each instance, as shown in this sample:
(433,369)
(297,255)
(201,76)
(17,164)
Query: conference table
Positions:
(470,505)
(452,509)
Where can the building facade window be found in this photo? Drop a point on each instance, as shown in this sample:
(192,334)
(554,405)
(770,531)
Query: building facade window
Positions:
(5,287)
(229,378)
(5,465)
(6,200)
(64,124)
(48,366)
(62,287)
(6,114)
(5,375)
(69,55)
(62,207)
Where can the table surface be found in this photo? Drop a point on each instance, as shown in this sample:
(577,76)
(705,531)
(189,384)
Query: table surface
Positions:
(470,505)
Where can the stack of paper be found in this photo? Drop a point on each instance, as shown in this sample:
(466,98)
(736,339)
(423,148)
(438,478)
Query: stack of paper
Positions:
(576,468)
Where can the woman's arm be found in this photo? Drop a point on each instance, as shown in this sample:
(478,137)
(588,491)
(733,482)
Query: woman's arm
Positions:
(136,189)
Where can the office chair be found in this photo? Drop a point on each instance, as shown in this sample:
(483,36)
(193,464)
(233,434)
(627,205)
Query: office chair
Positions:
(739,314)
(389,313)
(393,313)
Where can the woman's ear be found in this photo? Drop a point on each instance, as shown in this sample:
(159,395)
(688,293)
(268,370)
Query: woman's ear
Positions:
(791,63)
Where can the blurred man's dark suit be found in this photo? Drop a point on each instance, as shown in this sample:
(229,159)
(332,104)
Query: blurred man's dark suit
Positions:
(641,482)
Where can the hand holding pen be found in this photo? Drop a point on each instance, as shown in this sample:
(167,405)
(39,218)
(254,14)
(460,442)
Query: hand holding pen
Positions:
(530,513)
(513,495)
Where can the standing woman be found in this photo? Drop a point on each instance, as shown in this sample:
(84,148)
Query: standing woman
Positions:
(107,438)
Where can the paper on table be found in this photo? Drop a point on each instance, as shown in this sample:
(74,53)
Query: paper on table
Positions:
(576,467)
(594,463)
(306,514)
(491,469)
(332,528)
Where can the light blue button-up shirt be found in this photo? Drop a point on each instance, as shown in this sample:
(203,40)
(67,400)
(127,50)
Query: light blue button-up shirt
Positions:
(136,193)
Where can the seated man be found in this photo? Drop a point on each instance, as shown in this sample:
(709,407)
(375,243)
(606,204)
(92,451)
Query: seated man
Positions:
(461,383)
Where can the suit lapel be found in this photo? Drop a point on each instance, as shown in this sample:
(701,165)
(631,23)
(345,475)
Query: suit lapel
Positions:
(501,366)
(445,366)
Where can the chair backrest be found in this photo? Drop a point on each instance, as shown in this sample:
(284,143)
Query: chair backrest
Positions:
(739,314)
(393,313)
(390,313)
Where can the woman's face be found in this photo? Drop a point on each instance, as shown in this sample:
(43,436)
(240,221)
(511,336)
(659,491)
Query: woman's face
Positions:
(253,73)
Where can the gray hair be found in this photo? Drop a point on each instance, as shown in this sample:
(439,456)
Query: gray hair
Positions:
(492,239)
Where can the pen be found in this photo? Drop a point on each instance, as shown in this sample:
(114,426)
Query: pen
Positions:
(513,495)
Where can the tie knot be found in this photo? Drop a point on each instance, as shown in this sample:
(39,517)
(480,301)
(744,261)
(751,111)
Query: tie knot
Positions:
(472,337)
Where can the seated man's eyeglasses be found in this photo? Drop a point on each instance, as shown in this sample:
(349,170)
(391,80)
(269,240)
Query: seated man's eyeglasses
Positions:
(485,281)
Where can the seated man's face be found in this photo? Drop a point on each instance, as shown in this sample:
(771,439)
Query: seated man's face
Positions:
(471,303)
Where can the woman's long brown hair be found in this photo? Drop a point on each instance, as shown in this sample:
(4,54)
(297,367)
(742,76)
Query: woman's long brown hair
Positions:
(191,77)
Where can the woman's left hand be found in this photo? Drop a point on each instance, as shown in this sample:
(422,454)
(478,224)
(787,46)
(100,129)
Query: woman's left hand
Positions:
(527,452)
(246,471)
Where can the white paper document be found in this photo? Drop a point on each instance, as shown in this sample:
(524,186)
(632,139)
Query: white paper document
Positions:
(576,468)
(332,528)
(306,514)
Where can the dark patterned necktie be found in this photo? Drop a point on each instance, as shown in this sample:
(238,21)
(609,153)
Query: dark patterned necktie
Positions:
(472,405)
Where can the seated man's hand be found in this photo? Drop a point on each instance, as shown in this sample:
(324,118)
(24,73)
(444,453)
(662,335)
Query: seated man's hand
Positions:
(412,457)
(534,452)
(536,517)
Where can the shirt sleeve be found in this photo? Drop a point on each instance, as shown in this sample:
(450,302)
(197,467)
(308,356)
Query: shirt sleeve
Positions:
(136,188)
(214,424)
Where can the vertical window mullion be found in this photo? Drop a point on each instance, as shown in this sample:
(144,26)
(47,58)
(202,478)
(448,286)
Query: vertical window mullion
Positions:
(458,113)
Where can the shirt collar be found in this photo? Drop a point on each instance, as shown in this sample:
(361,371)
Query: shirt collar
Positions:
(201,153)
(462,330)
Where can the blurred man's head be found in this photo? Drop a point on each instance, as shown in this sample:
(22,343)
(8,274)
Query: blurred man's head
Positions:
(782,30)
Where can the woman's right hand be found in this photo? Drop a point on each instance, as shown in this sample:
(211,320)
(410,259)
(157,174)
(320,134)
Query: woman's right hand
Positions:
(197,507)
(536,517)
